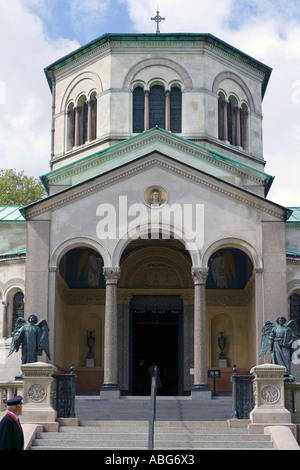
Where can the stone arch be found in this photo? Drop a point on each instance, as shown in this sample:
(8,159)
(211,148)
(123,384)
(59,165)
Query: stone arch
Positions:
(96,84)
(77,242)
(173,268)
(176,232)
(232,76)
(185,77)
(13,287)
(237,243)
(293,287)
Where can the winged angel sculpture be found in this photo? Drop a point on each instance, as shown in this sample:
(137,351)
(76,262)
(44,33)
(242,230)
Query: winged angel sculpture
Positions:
(32,336)
(279,339)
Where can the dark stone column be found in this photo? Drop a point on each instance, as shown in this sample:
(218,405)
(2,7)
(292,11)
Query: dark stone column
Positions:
(110,389)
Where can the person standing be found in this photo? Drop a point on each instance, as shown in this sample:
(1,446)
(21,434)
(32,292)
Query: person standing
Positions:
(11,432)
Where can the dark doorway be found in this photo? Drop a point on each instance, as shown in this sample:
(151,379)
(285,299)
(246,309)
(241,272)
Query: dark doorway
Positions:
(156,338)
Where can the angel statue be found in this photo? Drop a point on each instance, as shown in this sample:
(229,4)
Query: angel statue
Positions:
(279,339)
(32,336)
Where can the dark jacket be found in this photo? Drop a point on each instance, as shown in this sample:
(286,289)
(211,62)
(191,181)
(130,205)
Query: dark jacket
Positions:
(11,434)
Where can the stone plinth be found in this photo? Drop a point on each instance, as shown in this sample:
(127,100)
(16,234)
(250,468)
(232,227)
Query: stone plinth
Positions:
(37,392)
(268,387)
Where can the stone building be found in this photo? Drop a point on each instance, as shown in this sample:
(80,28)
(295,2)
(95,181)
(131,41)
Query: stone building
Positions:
(157,236)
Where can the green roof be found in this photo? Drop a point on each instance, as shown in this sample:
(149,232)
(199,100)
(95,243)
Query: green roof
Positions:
(162,37)
(215,156)
(11,214)
(295,216)
(21,251)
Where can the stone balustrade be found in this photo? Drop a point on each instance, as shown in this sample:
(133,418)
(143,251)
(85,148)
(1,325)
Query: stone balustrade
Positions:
(9,389)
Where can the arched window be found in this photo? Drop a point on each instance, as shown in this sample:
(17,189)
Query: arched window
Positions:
(233,121)
(175,110)
(18,308)
(244,127)
(92,117)
(157,110)
(81,115)
(82,121)
(70,126)
(295,310)
(138,109)
(222,117)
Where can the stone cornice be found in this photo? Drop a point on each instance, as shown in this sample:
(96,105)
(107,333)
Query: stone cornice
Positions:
(149,43)
(151,141)
(90,187)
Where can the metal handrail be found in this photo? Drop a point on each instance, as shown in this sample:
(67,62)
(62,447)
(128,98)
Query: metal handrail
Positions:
(152,416)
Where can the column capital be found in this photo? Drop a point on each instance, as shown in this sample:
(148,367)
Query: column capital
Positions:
(111,275)
(199,275)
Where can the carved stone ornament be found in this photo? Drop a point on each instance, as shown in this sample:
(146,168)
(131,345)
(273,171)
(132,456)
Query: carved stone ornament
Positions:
(270,394)
(199,275)
(155,196)
(111,275)
(36,392)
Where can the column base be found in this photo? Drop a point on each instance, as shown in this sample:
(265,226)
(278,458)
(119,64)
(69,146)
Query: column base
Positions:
(201,392)
(110,392)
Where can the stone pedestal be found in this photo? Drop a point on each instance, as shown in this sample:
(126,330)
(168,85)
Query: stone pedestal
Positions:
(268,387)
(37,393)
(223,363)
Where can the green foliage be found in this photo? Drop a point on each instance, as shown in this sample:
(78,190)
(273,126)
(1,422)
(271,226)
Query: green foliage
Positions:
(16,189)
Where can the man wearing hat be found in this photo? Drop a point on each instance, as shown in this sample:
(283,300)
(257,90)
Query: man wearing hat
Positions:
(11,433)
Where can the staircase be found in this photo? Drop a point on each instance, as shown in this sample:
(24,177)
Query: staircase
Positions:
(167,409)
(133,435)
(123,425)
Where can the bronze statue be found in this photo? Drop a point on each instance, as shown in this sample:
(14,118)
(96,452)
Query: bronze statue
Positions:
(279,339)
(32,336)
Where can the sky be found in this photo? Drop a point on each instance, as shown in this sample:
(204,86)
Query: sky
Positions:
(35,33)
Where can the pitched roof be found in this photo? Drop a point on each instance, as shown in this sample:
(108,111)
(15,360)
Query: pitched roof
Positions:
(155,139)
(295,216)
(11,214)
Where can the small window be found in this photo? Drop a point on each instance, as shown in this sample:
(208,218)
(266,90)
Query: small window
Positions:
(18,308)
(70,127)
(233,122)
(157,107)
(138,110)
(175,110)
(92,125)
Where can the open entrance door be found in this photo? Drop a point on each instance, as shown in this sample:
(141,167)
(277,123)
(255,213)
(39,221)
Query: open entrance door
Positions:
(156,339)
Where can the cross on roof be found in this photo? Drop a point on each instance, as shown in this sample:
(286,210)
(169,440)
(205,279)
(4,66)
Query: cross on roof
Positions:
(157,19)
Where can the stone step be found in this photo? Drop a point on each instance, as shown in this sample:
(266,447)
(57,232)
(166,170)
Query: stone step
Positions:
(167,408)
(130,435)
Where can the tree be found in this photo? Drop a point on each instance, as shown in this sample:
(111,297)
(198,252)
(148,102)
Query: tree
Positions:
(16,189)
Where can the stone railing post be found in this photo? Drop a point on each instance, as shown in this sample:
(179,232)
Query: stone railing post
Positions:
(268,388)
(38,393)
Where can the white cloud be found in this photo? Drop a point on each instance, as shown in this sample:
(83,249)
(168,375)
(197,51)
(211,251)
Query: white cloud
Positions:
(86,14)
(25,115)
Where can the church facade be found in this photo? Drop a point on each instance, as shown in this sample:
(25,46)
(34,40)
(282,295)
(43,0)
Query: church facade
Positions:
(157,242)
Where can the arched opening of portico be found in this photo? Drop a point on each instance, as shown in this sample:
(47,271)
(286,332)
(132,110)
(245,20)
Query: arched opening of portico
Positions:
(80,315)
(155,297)
(231,313)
